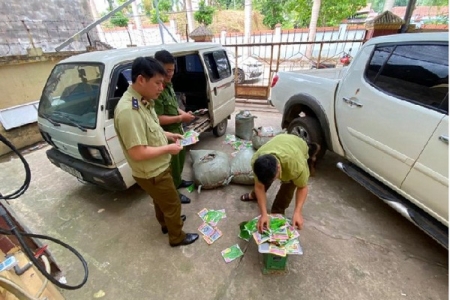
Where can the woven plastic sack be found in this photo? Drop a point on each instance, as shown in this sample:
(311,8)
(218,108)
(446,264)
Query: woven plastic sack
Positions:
(211,168)
(262,135)
(244,123)
(241,168)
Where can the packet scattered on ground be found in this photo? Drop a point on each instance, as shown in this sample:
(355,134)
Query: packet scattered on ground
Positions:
(232,253)
(212,217)
(237,143)
(210,234)
(213,237)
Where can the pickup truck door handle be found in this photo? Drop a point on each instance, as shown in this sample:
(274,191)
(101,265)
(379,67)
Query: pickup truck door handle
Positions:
(444,139)
(351,102)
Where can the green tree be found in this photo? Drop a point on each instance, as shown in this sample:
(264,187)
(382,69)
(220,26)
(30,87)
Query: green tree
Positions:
(377,5)
(273,11)
(298,12)
(120,20)
(432,2)
(331,12)
(204,14)
(164,7)
(229,4)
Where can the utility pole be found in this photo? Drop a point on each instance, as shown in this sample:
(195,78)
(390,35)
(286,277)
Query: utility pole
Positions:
(189,15)
(247,23)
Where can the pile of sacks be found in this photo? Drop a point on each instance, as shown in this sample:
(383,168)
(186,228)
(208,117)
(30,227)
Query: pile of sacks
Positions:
(213,169)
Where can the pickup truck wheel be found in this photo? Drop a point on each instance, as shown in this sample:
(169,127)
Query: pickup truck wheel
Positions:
(308,128)
(221,128)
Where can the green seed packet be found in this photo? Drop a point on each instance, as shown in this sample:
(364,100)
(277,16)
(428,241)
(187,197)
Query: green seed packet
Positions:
(276,223)
(191,188)
(245,234)
(212,217)
(232,253)
(251,225)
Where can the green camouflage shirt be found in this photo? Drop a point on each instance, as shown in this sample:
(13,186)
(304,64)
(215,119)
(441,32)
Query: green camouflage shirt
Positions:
(167,104)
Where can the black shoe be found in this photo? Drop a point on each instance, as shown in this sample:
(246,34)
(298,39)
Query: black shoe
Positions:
(165,230)
(185,184)
(184,199)
(189,239)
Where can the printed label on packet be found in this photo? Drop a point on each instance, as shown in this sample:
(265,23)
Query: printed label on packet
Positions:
(205,229)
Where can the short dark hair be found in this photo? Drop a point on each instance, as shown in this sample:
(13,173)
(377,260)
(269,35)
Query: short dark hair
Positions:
(164,57)
(147,67)
(265,168)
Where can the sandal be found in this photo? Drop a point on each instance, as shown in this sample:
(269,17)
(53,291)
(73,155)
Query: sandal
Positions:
(246,197)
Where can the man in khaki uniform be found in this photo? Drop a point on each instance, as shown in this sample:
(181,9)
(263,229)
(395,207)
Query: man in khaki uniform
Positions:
(171,118)
(146,149)
(284,157)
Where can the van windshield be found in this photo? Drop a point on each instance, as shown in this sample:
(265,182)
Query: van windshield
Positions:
(71,95)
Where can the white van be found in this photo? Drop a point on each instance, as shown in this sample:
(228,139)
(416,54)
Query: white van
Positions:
(76,109)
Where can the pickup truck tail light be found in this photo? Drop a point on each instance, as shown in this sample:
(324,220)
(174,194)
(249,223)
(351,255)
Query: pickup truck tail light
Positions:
(274,80)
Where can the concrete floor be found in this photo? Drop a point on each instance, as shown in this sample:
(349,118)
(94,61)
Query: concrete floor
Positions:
(355,246)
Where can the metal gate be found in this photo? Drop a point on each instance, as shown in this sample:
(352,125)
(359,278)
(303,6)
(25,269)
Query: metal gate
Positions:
(256,62)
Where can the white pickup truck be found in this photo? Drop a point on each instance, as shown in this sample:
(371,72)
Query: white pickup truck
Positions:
(386,114)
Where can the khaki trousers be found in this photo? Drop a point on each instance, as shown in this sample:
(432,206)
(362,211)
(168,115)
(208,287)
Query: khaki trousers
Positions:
(283,198)
(167,203)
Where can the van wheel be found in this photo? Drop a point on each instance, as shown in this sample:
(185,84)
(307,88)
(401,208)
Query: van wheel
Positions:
(221,128)
(308,128)
(240,76)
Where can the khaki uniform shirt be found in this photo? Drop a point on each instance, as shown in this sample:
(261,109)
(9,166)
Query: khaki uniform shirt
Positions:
(167,104)
(137,124)
(292,155)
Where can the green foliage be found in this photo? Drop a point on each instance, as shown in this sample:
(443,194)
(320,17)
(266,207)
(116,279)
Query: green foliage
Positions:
(119,20)
(333,12)
(432,3)
(204,14)
(164,7)
(377,5)
(273,11)
(291,13)
(164,17)
(230,4)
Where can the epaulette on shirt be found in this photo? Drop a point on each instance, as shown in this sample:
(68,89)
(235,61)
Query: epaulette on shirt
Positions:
(135,103)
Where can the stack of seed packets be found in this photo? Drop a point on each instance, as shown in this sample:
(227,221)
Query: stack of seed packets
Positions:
(210,232)
(281,238)
(190,137)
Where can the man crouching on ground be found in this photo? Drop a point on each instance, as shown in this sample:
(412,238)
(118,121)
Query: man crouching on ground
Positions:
(284,157)
(145,146)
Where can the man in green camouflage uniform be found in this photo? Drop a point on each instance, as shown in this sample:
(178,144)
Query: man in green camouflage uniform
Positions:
(171,118)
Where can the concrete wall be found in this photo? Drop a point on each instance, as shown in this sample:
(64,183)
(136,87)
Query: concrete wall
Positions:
(23,78)
(32,24)
(23,83)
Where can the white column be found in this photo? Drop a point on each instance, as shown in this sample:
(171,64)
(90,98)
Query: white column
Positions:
(137,21)
(247,26)
(223,37)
